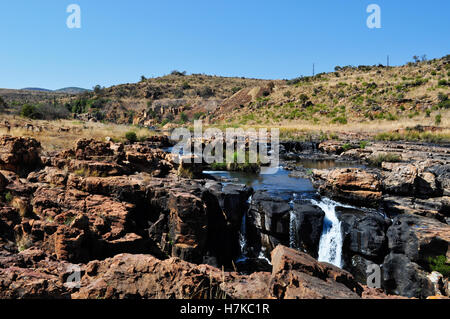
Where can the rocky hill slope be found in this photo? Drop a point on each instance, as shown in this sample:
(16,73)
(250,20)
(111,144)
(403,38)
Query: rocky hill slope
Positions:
(349,95)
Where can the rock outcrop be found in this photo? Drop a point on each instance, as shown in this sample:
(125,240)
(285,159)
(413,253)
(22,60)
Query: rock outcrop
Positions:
(352,185)
(19,154)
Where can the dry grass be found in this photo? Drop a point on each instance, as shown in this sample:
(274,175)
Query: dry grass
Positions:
(52,139)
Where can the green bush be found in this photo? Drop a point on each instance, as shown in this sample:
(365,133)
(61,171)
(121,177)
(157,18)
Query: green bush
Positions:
(131,136)
(184,118)
(205,91)
(384,157)
(442,97)
(29,110)
(440,265)
(8,197)
(363,144)
(438,119)
(340,120)
(347,146)
(236,89)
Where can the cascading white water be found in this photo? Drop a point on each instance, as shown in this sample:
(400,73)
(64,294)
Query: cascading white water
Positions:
(293,243)
(242,235)
(330,246)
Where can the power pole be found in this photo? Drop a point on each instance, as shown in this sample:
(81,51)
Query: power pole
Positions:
(388,60)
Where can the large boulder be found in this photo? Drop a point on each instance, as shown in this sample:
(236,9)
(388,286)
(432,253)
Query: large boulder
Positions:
(226,205)
(352,185)
(442,173)
(307,227)
(419,238)
(296,275)
(23,283)
(144,276)
(19,154)
(436,207)
(268,223)
(87,149)
(403,277)
(364,234)
(187,226)
(408,179)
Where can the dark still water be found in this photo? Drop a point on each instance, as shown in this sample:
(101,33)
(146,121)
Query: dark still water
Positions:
(275,181)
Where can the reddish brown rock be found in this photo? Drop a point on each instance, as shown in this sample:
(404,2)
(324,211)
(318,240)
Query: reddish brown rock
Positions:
(19,154)
(20,283)
(299,276)
(188,226)
(143,276)
(349,184)
(87,149)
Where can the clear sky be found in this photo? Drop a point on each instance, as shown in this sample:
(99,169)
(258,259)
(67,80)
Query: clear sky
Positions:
(121,40)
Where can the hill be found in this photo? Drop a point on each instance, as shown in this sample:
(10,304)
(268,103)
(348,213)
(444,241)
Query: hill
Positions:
(416,92)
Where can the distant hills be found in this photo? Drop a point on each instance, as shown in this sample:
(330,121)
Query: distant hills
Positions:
(70,90)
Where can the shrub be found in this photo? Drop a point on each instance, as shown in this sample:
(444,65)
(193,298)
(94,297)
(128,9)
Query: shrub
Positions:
(340,119)
(443,82)
(2,102)
(444,104)
(442,97)
(363,144)
(52,112)
(440,265)
(8,197)
(185,85)
(198,115)
(131,136)
(347,146)
(29,110)
(438,119)
(377,160)
(205,91)
(183,117)
(178,93)
(236,89)
(178,73)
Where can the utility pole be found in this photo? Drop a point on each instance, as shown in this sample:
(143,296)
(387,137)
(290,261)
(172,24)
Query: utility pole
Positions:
(388,60)
(314,70)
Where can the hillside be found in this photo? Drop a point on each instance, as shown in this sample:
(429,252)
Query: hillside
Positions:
(416,92)
(350,94)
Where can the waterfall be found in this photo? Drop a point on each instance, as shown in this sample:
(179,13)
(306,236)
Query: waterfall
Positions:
(330,246)
(242,235)
(293,243)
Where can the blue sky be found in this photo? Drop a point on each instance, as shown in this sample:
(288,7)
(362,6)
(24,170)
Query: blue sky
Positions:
(121,40)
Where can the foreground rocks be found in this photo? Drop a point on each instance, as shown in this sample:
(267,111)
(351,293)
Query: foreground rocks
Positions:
(295,275)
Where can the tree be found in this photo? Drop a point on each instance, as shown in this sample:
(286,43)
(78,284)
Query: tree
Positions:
(178,73)
(2,102)
(28,110)
(143,78)
(97,89)
(416,59)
